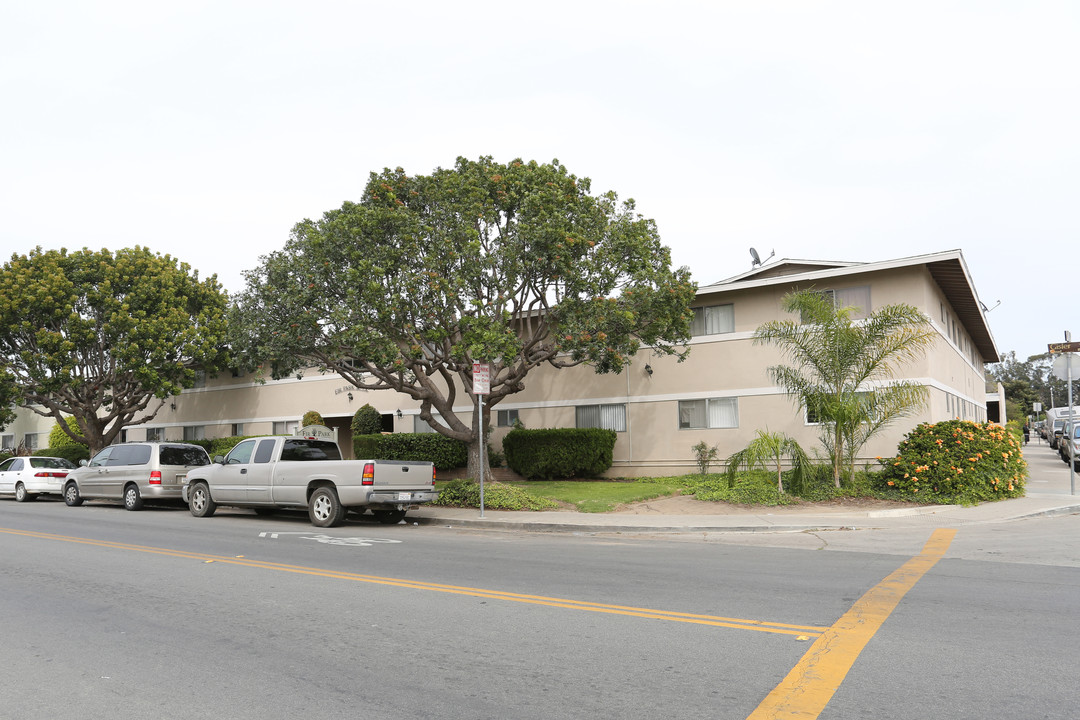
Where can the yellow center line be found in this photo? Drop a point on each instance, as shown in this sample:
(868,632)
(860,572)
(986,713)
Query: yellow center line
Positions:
(810,685)
(738,623)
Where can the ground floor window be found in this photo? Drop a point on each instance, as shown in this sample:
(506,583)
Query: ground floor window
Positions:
(421,426)
(7,442)
(155,434)
(30,440)
(507,418)
(286,427)
(194,432)
(608,417)
(237,429)
(709,413)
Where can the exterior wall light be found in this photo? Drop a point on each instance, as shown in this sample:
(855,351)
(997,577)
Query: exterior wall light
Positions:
(648,369)
(349,396)
(398,413)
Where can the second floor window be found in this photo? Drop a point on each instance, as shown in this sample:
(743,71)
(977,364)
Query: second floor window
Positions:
(713,320)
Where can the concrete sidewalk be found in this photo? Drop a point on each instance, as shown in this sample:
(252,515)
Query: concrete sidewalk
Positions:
(1049,494)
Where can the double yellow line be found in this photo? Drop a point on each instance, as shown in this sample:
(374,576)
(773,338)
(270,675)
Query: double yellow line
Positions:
(807,631)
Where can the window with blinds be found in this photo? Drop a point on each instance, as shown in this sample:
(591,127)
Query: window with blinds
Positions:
(710,413)
(713,320)
(608,417)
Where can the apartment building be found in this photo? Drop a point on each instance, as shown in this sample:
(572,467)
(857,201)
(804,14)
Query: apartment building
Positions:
(660,408)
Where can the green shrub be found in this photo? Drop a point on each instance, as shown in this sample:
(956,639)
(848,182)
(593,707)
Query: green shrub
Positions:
(58,438)
(497,496)
(559,452)
(446,453)
(752,487)
(704,455)
(74,452)
(367,421)
(956,461)
(494,457)
(312,417)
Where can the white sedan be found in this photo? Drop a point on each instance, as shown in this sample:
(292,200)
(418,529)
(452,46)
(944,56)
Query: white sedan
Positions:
(26,477)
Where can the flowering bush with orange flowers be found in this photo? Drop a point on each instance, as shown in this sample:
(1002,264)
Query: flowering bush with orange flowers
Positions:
(956,462)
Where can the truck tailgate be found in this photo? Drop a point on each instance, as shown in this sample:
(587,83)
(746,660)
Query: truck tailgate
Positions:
(402,474)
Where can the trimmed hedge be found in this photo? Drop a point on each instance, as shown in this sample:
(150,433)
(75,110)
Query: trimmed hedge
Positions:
(367,421)
(559,452)
(74,453)
(446,453)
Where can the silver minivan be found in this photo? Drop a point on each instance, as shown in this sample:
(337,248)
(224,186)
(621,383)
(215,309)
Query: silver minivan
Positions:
(134,472)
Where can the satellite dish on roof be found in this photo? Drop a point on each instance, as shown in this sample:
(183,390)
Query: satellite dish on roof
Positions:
(757,258)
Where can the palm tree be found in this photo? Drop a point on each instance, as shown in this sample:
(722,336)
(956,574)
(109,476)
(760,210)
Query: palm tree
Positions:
(770,448)
(843,367)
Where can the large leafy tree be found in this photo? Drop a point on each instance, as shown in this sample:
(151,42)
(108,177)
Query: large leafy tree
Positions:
(843,369)
(100,335)
(1029,381)
(514,264)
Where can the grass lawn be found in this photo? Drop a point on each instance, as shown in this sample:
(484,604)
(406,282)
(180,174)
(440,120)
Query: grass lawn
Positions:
(600,496)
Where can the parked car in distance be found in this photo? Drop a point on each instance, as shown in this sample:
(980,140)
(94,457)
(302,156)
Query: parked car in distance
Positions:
(1067,445)
(134,472)
(27,477)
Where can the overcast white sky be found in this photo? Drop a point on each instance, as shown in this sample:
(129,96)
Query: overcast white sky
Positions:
(855,131)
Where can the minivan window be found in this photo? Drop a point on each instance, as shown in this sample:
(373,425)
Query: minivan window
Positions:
(101,458)
(183,455)
(126,455)
(304,449)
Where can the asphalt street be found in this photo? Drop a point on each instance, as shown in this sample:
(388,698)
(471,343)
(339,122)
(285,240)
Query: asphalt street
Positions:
(114,614)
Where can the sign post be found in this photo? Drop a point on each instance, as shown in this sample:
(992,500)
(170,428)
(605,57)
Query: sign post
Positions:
(481,378)
(1069,347)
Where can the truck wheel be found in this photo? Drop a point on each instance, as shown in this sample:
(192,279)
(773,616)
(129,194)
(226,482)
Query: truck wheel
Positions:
(325,509)
(389,517)
(132,498)
(72,497)
(21,495)
(200,503)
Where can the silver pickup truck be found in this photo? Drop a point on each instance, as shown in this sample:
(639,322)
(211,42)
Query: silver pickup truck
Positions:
(305,472)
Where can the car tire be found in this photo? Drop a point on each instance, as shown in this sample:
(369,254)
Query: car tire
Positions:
(389,517)
(20,493)
(132,499)
(200,503)
(324,508)
(72,496)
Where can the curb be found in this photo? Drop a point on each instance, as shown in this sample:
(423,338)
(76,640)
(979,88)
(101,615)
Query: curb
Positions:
(844,523)
(542,527)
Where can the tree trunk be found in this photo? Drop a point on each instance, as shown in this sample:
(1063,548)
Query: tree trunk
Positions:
(474,466)
(838,454)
